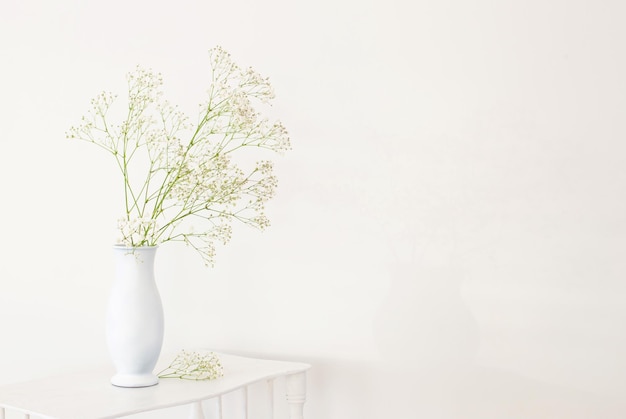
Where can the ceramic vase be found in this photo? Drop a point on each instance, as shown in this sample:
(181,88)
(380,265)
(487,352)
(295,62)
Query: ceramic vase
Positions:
(134,324)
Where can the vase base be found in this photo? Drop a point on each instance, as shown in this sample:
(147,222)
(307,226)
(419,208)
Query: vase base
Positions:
(134,380)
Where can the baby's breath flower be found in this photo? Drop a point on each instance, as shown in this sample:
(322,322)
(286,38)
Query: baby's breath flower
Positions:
(194,366)
(265,167)
(180,182)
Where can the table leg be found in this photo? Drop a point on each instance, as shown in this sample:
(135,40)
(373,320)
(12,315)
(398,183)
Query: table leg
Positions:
(296,395)
(270,396)
(245,401)
(196,411)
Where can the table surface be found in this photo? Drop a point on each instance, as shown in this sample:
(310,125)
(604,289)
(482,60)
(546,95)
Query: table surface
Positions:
(89,394)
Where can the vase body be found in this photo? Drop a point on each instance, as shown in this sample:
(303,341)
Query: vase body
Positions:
(134,324)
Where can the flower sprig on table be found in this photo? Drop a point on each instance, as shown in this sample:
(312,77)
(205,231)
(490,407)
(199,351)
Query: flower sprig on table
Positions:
(180,180)
(194,366)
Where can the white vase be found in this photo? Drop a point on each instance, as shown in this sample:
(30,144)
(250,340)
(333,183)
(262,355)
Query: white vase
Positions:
(134,318)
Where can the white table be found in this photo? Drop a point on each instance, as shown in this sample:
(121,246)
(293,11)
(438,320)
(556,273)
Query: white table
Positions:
(89,395)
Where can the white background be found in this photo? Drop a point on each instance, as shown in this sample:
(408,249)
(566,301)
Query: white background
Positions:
(449,229)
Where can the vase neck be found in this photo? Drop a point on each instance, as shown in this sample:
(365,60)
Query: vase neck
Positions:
(134,262)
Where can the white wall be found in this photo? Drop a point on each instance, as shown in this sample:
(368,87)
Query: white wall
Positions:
(448,235)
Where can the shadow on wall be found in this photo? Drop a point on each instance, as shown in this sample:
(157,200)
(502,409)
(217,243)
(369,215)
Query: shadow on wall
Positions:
(343,389)
(424,321)
(428,341)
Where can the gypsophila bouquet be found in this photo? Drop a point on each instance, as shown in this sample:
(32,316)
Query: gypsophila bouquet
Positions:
(194,366)
(181,182)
